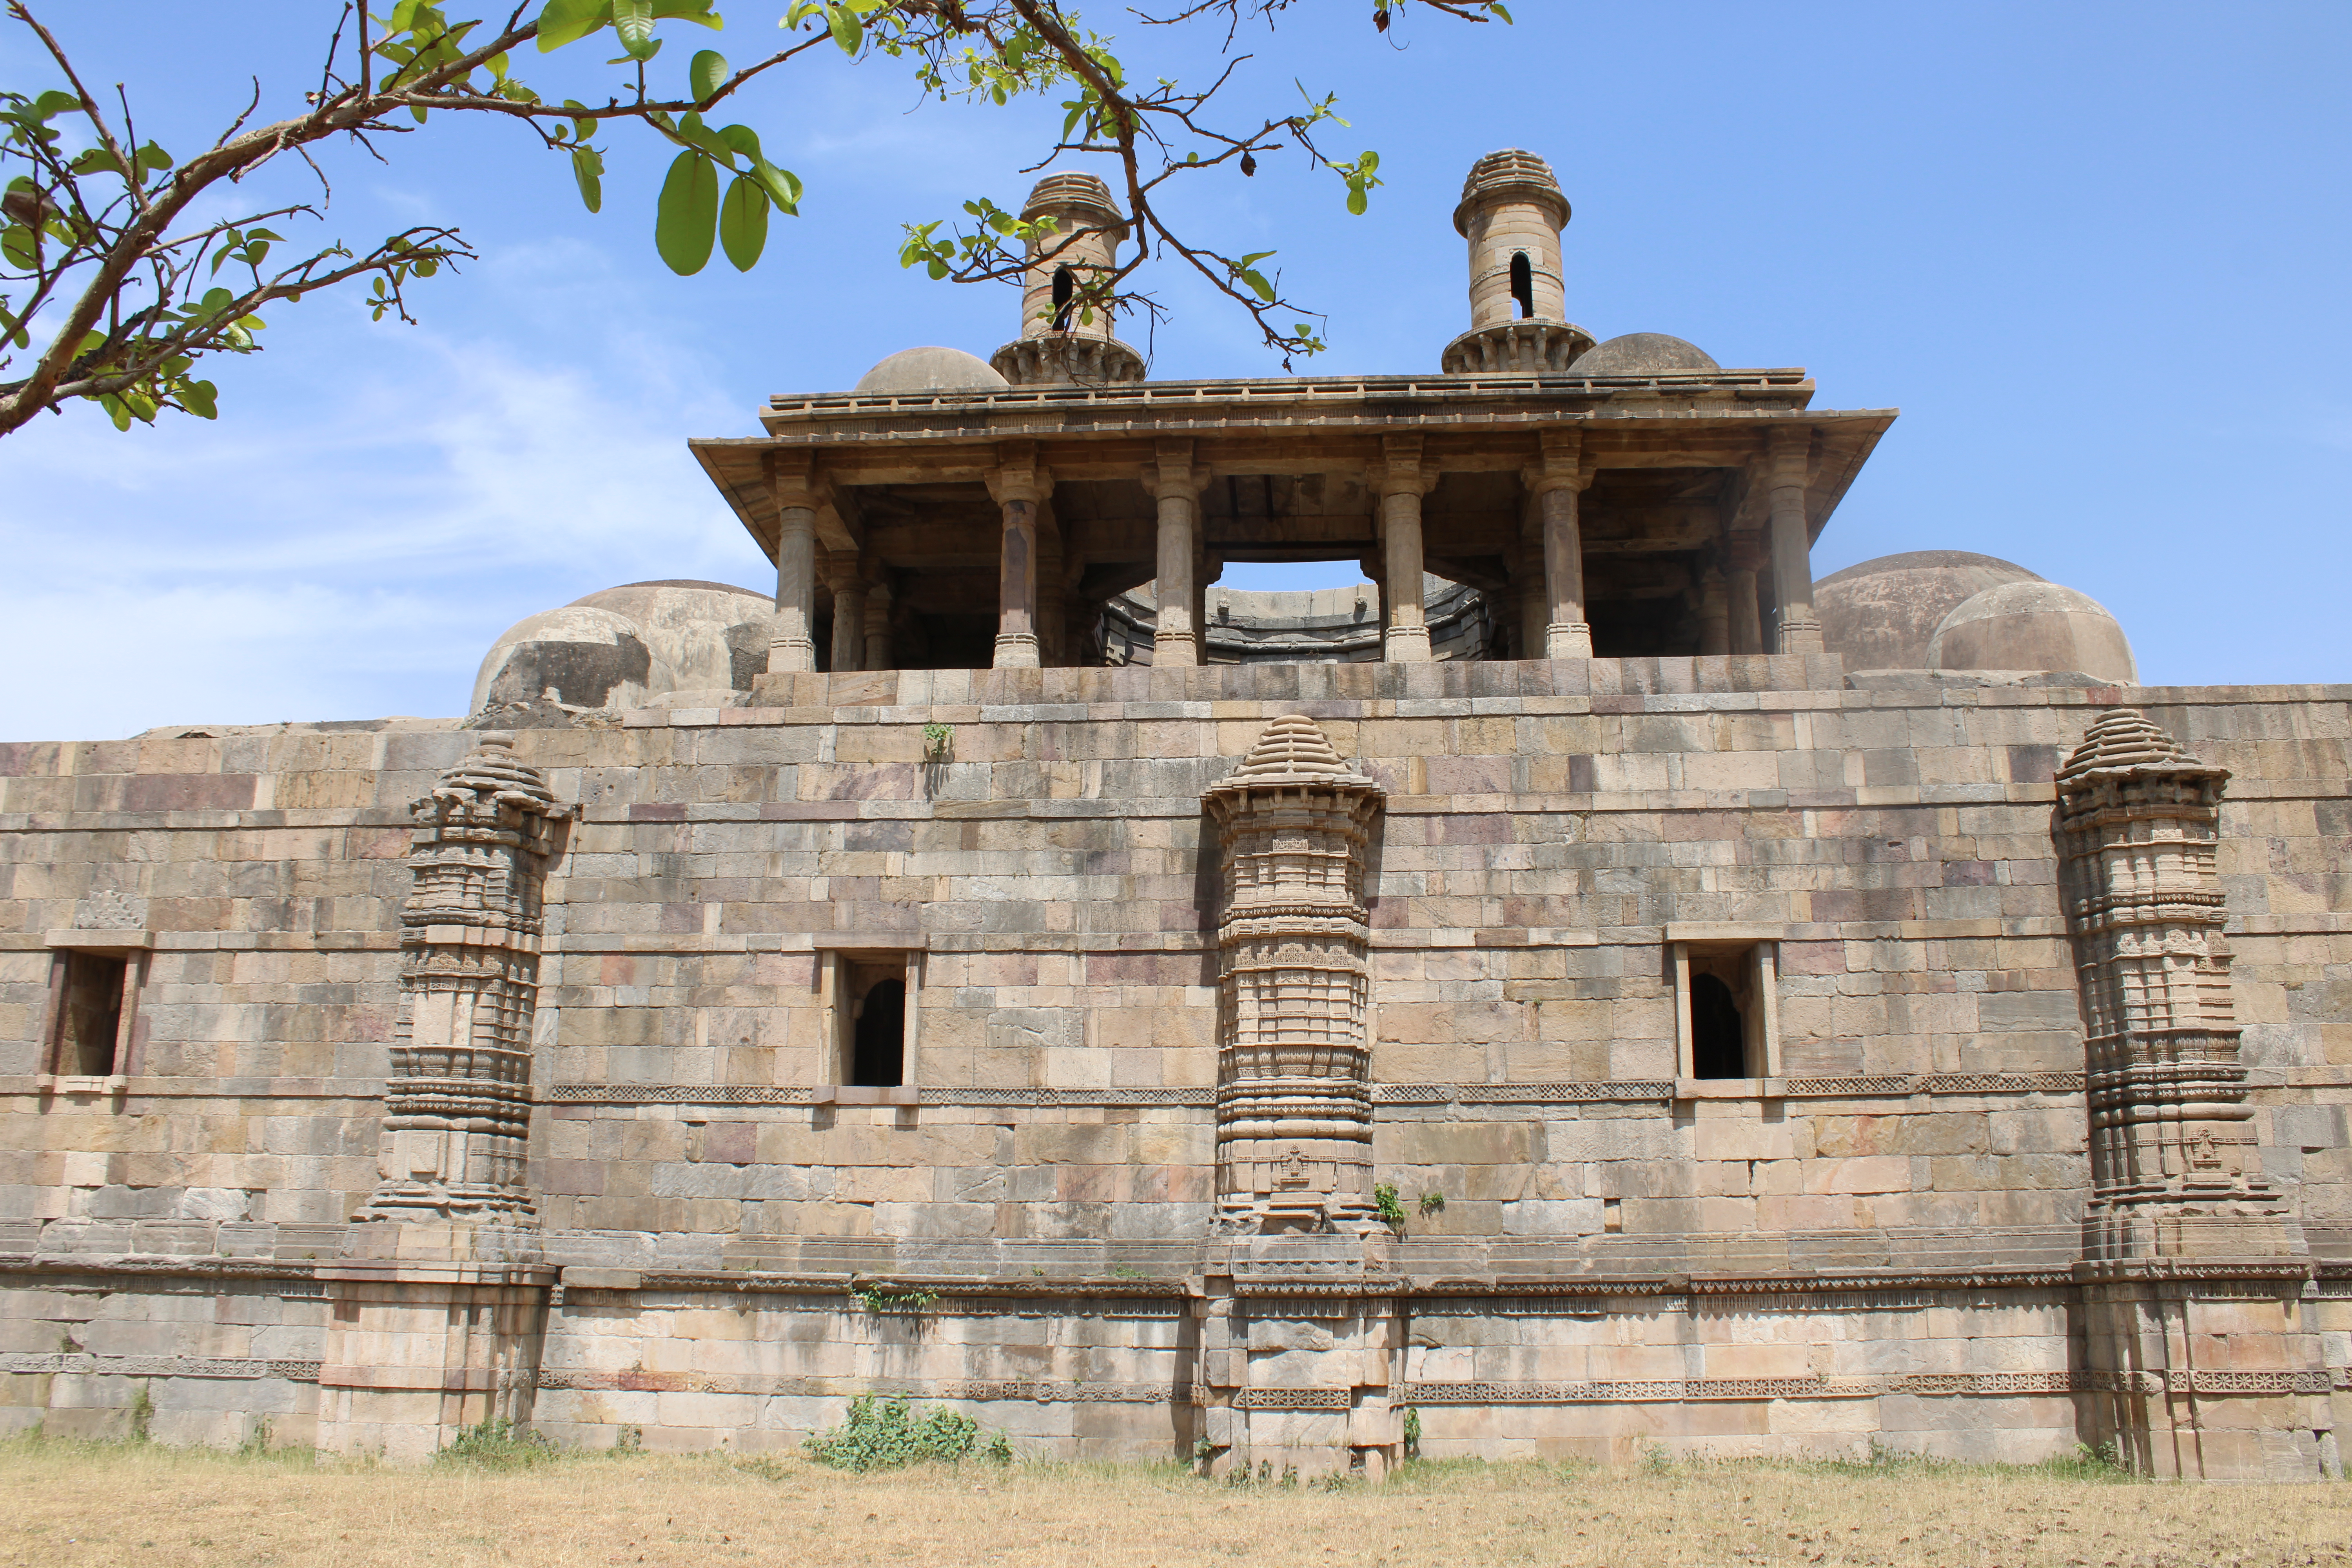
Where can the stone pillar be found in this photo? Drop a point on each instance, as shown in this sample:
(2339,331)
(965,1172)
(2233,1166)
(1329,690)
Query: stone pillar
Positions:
(790,646)
(1018,486)
(1400,482)
(1053,589)
(437,1305)
(1555,481)
(878,627)
(2193,1263)
(1714,613)
(1530,603)
(1792,550)
(1209,569)
(1747,612)
(848,613)
(1177,638)
(1294,1112)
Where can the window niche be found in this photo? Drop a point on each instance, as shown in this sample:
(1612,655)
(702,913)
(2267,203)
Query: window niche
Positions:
(1726,1003)
(92,1021)
(869,1006)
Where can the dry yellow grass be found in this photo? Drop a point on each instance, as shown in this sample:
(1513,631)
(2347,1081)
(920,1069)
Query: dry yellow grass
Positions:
(136,1504)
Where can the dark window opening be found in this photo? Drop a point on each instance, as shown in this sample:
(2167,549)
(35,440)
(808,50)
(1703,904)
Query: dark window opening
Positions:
(1523,283)
(1066,292)
(1718,1034)
(90,1014)
(879,1053)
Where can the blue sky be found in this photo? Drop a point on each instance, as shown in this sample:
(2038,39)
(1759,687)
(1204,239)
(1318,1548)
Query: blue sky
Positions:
(2095,254)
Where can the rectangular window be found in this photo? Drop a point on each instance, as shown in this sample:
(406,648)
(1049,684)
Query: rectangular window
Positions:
(93,1015)
(1726,982)
(869,1006)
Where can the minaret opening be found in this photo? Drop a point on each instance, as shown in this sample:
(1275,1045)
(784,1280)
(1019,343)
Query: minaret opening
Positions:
(1523,283)
(1718,1034)
(1065,290)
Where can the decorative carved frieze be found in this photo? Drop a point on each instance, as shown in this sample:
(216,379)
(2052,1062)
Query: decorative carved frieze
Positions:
(457,1100)
(1294,1109)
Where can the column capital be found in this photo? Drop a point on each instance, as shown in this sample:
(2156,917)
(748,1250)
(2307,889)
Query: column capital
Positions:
(1183,479)
(1030,482)
(1557,474)
(1788,454)
(1406,479)
(793,480)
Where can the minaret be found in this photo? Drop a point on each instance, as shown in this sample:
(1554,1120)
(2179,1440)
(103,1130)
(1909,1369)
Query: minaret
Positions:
(1061,341)
(1511,213)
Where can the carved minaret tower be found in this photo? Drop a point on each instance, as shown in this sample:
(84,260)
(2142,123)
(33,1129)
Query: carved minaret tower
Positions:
(1512,212)
(2203,1360)
(1293,1114)
(456,1111)
(1064,340)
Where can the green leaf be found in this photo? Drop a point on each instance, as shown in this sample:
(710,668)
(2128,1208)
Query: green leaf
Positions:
(743,223)
(633,21)
(696,10)
(1497,7)
(784,186)
(588,168)
(1357,200)
(846,30)
(706,74)
(200,398)
(686,217)
(52,103)
(151,156)
(567,21)
(1258,284)
(95,161)
(742,138)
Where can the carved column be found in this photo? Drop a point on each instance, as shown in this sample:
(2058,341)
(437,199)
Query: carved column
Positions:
(1018,486)
(438,1303)
(2193,1263)
(1294,1113)
(1557,481)
(848,613)
(1401,481)
(878,627)
(790,646)
(1714,613)
(1177,638)
(1793,550)
(1746,613)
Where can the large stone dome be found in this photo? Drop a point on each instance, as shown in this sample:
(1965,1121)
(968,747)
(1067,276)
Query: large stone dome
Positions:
(2033,626)
(929,370)
(664,644)
(1643,353)
(1879,614)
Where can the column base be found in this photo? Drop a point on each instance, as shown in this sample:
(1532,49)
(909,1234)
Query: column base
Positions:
(1019,650)
(791,656)
(1800,636)
(1405,645)
(1174,649)
(1568,639)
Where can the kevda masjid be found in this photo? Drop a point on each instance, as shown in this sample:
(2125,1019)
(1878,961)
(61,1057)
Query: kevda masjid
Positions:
(1590,987)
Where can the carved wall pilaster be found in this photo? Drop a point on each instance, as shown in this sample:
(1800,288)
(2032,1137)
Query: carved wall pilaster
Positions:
(2170,1138)
(1294,1112)
(457,1100)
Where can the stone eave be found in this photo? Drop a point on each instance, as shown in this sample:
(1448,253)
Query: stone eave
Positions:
(1289,426)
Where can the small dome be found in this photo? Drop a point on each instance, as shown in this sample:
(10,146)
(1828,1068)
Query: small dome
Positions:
(1879,614)
(1643,353)
(929,369)
(2033,626)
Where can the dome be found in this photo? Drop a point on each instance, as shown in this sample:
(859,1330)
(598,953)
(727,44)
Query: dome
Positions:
(640,644)
(2033,626)
(1643,353)
(1879,614)
(591,657)
(929,370)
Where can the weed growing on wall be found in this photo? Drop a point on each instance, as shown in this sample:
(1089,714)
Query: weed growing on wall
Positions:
(496,1444)
(882,1433)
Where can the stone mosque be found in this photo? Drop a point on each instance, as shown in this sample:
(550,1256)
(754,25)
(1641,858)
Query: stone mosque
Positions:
(1591,988)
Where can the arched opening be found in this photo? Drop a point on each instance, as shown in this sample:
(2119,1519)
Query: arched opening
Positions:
(1523,283)
(1718,1034)
(1066,294)
(879,1053)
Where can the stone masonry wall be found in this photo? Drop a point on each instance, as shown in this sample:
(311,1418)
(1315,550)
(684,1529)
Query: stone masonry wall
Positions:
(1545,825)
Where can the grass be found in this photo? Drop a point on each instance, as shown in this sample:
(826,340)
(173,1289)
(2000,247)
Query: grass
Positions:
(139,1503)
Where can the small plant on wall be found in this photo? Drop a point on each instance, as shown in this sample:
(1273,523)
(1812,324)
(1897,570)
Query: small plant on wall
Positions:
(1392,1211)
(939,743)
